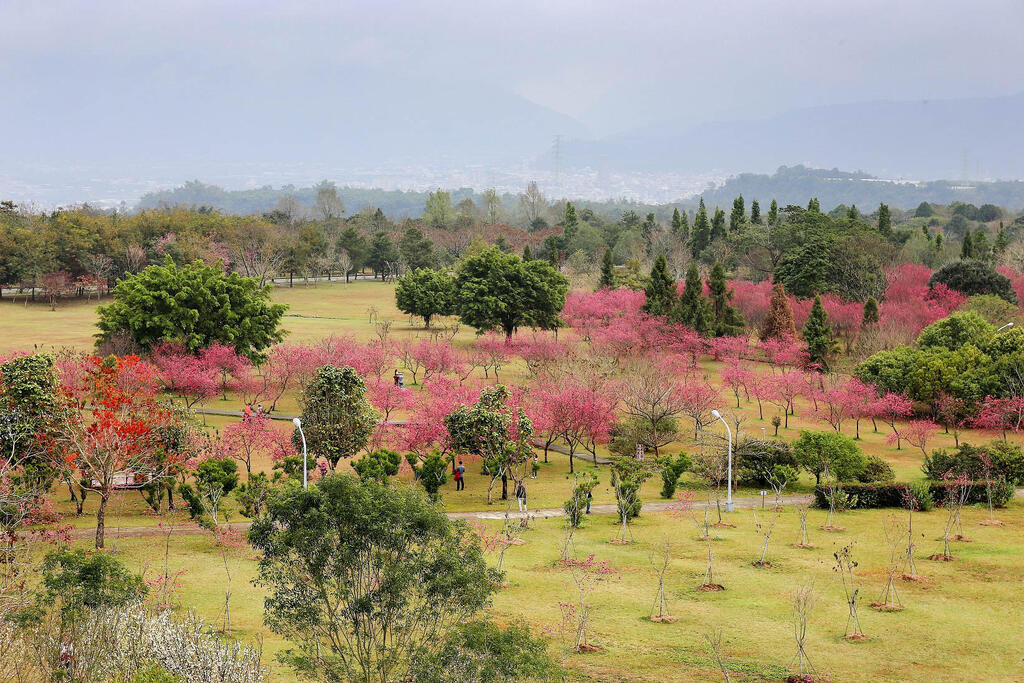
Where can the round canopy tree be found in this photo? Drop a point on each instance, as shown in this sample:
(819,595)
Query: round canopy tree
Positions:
(194,306)
(971,277)
(337,418)
(362,576)
(425,293)
(498,291)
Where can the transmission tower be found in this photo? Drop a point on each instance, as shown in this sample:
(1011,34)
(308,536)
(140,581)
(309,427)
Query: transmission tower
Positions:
(557,150)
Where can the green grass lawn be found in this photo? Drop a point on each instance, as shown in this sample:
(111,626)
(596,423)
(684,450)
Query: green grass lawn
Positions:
(962,623)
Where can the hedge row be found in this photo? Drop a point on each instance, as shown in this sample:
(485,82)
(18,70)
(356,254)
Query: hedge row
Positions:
(890,494)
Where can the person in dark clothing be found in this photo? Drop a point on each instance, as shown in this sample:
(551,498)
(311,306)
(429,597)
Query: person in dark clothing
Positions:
(460,477)
(589,497)
(521,497)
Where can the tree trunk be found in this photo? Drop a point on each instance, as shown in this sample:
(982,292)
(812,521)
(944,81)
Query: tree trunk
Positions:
(504,486)
(101,516)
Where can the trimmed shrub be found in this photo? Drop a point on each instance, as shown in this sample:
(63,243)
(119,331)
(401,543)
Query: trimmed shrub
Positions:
(876,470)
(1007,461)
(890,495)
(922,493)
(756,459)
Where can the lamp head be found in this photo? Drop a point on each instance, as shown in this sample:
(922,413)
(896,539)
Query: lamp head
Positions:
(297,422)
(717,415)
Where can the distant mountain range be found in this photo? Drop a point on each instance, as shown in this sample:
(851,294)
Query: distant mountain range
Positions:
(929,139)
(105,115)
(102,132)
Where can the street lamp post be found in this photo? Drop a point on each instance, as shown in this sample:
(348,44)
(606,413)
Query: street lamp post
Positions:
(298,424)
(1004,327)
(728,495)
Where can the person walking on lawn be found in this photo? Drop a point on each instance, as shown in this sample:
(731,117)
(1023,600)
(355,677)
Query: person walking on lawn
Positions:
(521,497)
(460,477)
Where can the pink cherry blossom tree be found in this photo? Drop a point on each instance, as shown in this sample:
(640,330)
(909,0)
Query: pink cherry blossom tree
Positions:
(252,439)
(917,433)
(890,408)
(226,363)
(1001,414)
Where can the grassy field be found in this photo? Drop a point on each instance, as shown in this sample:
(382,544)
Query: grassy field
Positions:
(961,623)
(314,312)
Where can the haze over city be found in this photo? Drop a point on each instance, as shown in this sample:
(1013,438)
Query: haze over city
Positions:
(648,100)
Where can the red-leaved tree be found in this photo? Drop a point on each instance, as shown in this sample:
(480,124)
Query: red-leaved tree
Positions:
(115,445)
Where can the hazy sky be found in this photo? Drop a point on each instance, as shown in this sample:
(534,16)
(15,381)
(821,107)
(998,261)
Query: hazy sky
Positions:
(611,65)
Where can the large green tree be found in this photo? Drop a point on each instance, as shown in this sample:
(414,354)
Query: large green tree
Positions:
(727,320)
(416,249)
(382,255)
(832,452)
(337,419)
(362,576)
(700,239)
(195,306)
(817,334)
(353,242)
(426,293)
(607,280)
(497,291)
(495,431)
(972,277)
(693,309)
(438,212)
(661,289)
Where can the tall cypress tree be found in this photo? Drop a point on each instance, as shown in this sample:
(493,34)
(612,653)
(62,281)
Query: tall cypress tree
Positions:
(527,254)
(693,309)
(607,271)
(571,224)
(728,321)
(647,230)
(551,247)
(755,212)
(1002,242)
(773,213)
(779,321)
(981,249)
(718,225)
(701,238)
(677,222)
(738,214)
(871,316)
(817,334)
(852,213)
(684,226)
(814,205)
(661,289)
(884,220)
(967,246)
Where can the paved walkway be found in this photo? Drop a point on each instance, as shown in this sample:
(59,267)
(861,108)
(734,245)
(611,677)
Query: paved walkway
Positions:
(496,512)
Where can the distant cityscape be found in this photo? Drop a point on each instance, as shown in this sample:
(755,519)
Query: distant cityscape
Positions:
(49,187)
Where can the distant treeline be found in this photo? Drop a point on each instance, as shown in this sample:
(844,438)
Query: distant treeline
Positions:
(788,185)
(793,184)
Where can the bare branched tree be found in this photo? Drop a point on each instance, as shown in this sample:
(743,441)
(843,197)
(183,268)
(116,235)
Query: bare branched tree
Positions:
(844,566)
(764,529)
(660,561)
(802,511)
(890,601)
(803,604)
(714,640)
